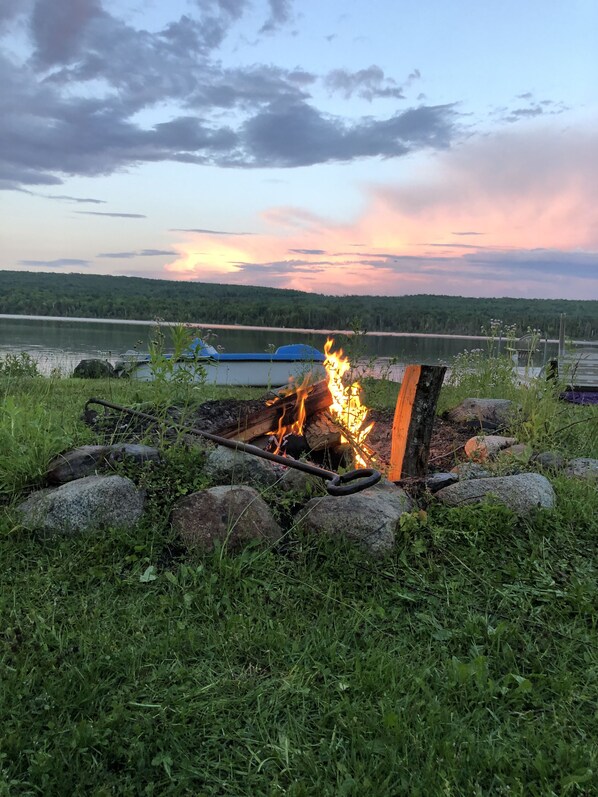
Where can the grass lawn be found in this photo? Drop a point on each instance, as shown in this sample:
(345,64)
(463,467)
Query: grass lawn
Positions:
(464,664)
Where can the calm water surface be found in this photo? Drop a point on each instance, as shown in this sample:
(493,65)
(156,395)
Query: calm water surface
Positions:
(62,343)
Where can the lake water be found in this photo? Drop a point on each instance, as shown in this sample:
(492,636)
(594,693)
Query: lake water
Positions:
(61,343)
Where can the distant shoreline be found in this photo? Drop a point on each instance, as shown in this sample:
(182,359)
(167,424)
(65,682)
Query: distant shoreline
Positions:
(298,330)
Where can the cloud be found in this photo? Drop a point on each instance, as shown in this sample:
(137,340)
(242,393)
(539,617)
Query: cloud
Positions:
(58,28)
(66,198)
(63,262)
(208,232)
(113,215)
(298,135)
(369,84)
(73,104)
(530,198)
(280,14)
(142,253)
(534,108)
(548,262)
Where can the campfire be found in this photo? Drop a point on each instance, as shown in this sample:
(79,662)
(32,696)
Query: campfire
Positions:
(323,416)
(327,420)
(326,423)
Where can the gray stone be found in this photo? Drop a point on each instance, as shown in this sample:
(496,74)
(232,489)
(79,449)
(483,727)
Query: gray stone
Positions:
(229,516)
(94,369)
(296,481)
(484,447)
(84,505)
(437,481)
(520,452)
(489,413)
(87,460)
(133,452)
(550,460)
(76,464)
(583,468)
(225,466)
(522,493)
(369,518)
(471,470)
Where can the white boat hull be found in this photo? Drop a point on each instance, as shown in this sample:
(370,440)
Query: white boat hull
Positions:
(243,373)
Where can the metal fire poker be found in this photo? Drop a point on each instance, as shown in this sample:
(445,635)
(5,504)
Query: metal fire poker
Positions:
(354,481)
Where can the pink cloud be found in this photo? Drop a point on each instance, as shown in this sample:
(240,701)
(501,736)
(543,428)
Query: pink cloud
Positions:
(527,201)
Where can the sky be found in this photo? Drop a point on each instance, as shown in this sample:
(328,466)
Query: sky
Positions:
(385,147)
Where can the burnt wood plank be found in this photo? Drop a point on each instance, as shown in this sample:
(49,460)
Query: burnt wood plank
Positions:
(266,419)
(414,419)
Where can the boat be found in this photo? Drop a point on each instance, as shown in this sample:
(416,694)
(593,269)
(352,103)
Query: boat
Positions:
(204,364)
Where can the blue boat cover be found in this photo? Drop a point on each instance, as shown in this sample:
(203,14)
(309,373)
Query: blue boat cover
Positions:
(295,352)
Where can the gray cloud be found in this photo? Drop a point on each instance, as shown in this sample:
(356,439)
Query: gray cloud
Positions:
(58,28)
(369,84)
(142,253)
(61,197)
(533,108)
(509,267)
(66,198)
(112,215)
(549,262)
(63,262)
(515,265)
(280,14)
(468,232)
(308,251)
(299,135)
(72,107)
(283,267)
(208,232)
(449,245)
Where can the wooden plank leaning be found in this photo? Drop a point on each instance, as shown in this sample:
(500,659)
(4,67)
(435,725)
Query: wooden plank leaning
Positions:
(413,420)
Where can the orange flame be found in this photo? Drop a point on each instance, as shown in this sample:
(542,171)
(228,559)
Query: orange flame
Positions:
(346,407)
(295,426)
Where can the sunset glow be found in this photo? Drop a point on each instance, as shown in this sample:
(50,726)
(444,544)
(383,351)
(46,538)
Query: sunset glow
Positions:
(304,146)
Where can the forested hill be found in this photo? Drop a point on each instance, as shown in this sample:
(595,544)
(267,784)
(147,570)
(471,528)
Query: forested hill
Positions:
(94,296)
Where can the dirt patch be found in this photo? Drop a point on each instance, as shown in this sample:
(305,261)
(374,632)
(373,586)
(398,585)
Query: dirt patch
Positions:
(446,444)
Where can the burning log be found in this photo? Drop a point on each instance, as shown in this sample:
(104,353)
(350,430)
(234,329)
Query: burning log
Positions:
(269,417)
(413,421)
(321,432)
(325,416)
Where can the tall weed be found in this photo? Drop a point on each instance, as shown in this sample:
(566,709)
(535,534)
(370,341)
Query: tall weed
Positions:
(29,437)
(16,366)
(486,372)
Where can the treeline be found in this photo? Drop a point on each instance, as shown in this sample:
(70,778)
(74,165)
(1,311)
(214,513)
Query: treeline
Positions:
(93,296)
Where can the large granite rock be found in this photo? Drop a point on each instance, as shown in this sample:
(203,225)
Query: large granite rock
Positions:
(522,492)
(76,464)
(369,518)
(490,414)
(228,516)
(83,506)
(87,460)
(94,369)
(225,466)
